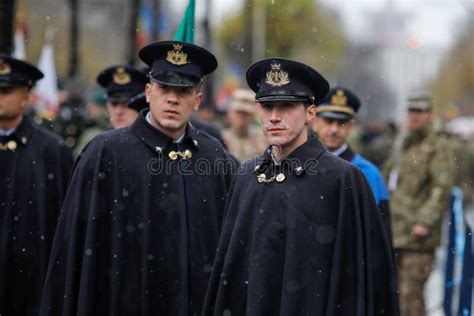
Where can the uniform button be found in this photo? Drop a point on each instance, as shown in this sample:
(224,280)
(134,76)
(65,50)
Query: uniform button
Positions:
(280,177)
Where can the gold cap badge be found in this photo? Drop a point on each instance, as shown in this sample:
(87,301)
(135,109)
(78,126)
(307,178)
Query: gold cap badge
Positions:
(339,98)
(277,77)
(121,77)
(5,68)
(176,56)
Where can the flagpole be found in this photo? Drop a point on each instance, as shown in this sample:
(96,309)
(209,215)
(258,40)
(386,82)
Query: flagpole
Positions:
(209,87)
(74,40)
(19,47)
(132,36)
(6,26)
(155,36)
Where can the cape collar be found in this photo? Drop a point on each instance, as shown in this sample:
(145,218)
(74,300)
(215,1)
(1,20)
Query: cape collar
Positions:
(157,140)
(295,161)
(23,132)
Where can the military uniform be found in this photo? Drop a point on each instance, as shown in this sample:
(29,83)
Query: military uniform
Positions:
(94,125)
(249,143)
(143,213)
(420,177)
(34,171)
(302,236)
(245,148)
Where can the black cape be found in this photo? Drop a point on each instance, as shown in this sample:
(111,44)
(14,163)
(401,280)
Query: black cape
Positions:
(383,205)
(138,231)
(33,180)
(313,244)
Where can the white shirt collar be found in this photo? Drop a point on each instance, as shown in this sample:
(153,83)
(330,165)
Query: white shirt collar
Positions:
(8,132)
(340,150)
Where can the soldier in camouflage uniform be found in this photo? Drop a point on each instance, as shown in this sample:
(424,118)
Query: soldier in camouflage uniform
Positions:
(420,176)
(243,140)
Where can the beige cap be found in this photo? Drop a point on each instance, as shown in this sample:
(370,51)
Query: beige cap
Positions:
(421,101)
(243,100)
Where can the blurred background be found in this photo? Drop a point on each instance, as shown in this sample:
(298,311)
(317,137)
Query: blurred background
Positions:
(381,49)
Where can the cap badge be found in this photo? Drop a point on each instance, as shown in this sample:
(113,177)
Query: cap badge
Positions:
(339,98)
(5,68)
(121,77)
(277,77)
(176,56)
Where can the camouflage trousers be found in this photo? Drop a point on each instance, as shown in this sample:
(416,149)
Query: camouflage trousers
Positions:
(413,267)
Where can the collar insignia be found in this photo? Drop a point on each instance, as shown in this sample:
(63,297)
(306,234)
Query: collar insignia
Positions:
(176,56)
(277,77)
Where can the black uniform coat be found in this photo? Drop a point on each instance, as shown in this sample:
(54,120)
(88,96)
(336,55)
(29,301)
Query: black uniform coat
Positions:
(313,244)
(138,231)
(33,181)
(383,205)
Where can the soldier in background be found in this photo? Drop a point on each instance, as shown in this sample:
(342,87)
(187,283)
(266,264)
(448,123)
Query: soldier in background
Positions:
(34,171)
(97,120)
(377,141)
(243,140)
(333,124)
(71,119)
(420,175)
(122,84)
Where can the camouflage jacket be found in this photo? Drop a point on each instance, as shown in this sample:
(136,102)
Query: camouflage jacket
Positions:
(425,165)
(245,148)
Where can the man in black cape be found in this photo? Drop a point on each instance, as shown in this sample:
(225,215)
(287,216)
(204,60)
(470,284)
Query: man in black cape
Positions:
(34,170)
(302,233)
(142,217)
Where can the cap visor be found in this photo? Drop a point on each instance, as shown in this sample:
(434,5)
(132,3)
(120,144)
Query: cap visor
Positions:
(175,79)
(275,98)
(335,115)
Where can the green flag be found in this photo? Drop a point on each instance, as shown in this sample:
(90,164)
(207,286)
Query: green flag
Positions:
(185,31)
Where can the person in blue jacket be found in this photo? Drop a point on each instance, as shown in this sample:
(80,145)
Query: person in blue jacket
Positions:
(333,123)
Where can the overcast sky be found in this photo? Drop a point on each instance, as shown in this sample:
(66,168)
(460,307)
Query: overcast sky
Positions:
(432,22)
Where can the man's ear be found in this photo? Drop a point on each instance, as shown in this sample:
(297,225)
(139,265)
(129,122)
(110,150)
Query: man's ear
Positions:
(148,92)
(310,113)
(198,101)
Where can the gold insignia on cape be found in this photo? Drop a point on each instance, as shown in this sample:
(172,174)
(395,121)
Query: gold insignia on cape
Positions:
(121,77)
(11,145)
(277,77)
(187,154)
(5,68)
(176,56)
(339,98)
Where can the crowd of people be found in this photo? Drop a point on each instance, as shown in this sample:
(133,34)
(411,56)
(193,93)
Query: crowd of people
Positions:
(139,207)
